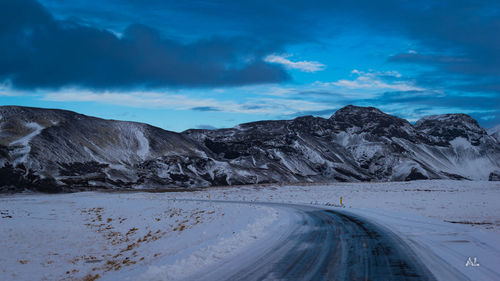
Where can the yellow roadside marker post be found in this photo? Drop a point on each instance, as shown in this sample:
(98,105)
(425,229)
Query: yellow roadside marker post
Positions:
(340,200)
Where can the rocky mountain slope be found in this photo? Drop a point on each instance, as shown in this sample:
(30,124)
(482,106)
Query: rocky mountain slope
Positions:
(54,150)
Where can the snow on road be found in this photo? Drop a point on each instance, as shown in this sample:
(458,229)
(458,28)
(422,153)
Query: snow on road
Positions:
(445,222)
(160,236)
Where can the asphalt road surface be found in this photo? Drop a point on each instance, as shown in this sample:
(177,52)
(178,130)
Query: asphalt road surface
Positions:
(323,244)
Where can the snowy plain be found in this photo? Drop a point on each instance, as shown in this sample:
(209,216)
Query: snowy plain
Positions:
(161,236)
(135,236)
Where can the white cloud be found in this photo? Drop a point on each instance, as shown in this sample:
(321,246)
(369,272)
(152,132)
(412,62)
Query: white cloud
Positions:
(364,82)
(4,93)
(272,100)
(132,99)
(305,66)
(7,91)
(371,72)
(278,91)
(273,106)
(372,80)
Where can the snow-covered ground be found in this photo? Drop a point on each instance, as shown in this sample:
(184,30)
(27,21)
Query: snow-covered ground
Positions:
(465,202)
(111,236)
(160,236)
(444,221)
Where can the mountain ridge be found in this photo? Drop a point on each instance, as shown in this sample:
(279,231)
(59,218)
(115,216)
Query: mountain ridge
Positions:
(55,150)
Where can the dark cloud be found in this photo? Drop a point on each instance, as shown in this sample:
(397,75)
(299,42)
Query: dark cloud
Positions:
(480,87)
(460,39)
(275,22)
(253,106)
(205,108)
(458,36)
(315,93)
(430,99)
(37,51)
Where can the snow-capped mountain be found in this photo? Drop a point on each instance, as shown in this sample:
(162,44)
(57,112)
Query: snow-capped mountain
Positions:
(55,150)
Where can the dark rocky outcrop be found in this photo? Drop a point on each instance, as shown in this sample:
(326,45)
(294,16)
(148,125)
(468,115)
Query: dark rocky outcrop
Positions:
(494,176)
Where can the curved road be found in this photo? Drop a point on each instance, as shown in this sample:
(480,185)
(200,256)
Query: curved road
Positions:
(324,244)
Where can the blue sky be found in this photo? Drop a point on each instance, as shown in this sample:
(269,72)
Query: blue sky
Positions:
(212,64)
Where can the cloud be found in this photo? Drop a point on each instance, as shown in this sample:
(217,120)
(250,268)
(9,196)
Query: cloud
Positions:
(365,82)
(464,29)
(299,101)
(452,63)
(38,51)
(232,39)
(371,72)
(458,40)
(204,108)
(274,23)
(136,99)
(305,66)
(373,80)
(184,101)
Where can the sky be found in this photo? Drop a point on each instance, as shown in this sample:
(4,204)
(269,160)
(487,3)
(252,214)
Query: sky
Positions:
(217,63)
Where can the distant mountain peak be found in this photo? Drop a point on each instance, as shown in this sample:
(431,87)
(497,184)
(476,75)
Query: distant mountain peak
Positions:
(356,110)
(371,120)
(447,127)
(461,118)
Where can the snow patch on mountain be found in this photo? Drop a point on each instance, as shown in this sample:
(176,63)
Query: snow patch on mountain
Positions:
(461,143)
(22,146)
(143,144)
(35,130)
